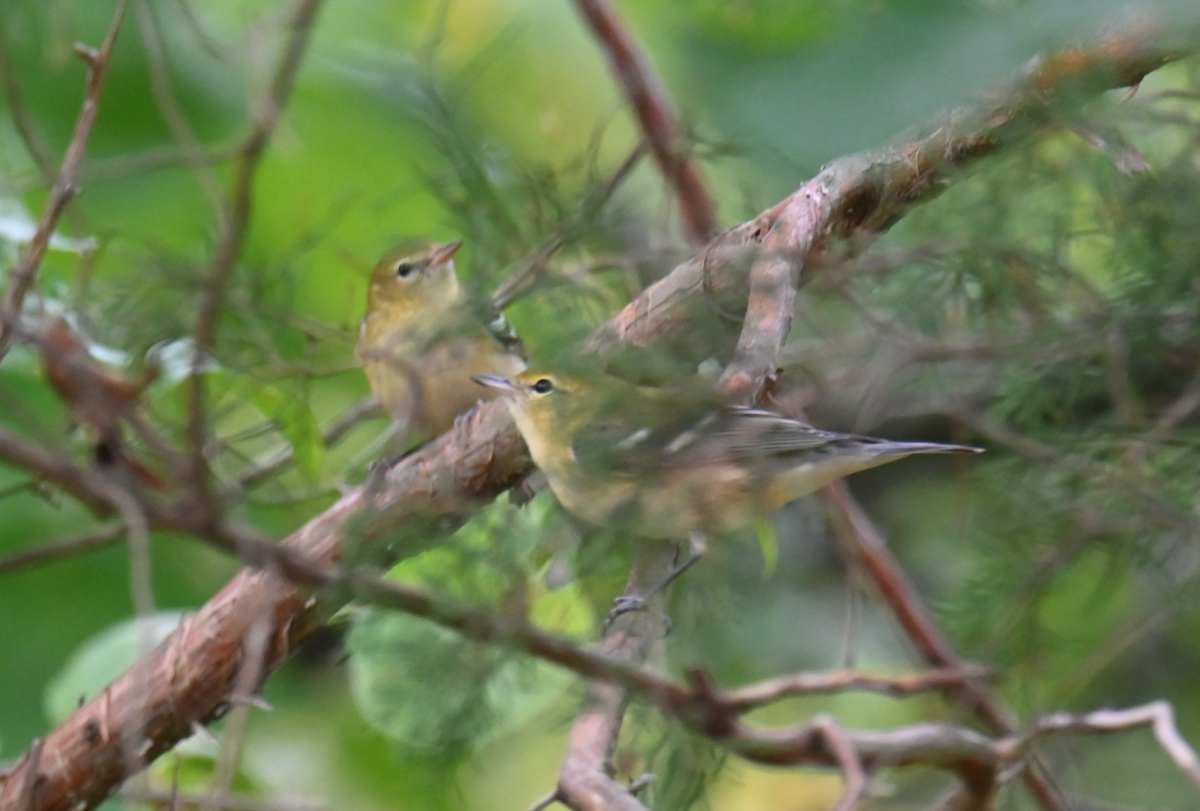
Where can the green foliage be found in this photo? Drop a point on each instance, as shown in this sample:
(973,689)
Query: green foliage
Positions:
(1048,302)
(681,766)
(440,695)
(1076,286)
(432,690)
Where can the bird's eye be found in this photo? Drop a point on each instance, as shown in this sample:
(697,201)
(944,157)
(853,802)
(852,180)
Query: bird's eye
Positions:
(405,269)
(543,386)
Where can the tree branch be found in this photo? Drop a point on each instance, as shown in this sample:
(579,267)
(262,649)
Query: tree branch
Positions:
(585,781)
(234,226)
(653,111)
(24,274)
(868,546)
(100,538)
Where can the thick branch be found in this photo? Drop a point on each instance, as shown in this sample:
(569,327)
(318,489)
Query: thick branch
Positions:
(771,304)
(869,192)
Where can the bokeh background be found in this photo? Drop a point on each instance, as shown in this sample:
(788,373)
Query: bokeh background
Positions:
(1048,294)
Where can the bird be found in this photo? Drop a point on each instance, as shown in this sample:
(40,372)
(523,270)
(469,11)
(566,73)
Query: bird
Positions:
(666,463)
(423,336)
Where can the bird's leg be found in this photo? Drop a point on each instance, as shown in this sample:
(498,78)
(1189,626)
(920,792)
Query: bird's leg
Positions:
(525,490)
(697,546)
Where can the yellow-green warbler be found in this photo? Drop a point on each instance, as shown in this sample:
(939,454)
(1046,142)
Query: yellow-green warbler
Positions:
(423,337)
(668,465)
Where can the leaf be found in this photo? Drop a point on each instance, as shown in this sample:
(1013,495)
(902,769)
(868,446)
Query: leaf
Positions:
(292,415)
(433,690)
(768,542)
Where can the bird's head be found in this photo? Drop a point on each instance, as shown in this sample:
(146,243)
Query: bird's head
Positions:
(415,273)
(548,407)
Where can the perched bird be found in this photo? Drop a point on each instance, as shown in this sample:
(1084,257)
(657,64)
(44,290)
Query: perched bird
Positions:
(423,337)
(668,464)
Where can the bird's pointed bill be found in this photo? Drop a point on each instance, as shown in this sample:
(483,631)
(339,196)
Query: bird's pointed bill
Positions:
(500,384)
(443,252)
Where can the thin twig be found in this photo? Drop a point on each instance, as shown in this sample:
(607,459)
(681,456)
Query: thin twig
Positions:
(190,147)
(24,274)
(26,127)
(513,287)
(902,597)
(100,538)
(151,159)
(1180,409)
(848,761)
(545,802)
(234,226)
(364,409)
(1136,484)
(653,110)
(752,696)
(1158,715)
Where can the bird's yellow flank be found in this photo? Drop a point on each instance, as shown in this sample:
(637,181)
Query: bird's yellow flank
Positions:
(423,337)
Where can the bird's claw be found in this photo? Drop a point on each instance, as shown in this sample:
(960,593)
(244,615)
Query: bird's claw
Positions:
(625,604)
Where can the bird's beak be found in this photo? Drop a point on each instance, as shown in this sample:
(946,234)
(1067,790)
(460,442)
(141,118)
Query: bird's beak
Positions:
(500,384)
(442,253)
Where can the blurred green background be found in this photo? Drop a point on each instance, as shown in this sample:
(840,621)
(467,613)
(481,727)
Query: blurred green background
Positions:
(494,121)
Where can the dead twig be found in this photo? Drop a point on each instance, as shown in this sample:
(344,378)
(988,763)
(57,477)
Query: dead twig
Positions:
(24,274)
(515,285)
(585,781)
(653,111)
(234,225)
(100,538)
(1158,715)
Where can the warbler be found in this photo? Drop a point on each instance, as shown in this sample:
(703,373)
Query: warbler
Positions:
(423,337)
(667,464)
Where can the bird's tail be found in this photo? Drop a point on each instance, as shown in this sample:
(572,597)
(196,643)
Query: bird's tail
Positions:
(897,449)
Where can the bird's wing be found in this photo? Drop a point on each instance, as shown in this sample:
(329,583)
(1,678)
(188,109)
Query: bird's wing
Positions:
(737,432)
(631,429)
(501,329)
(670,433)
